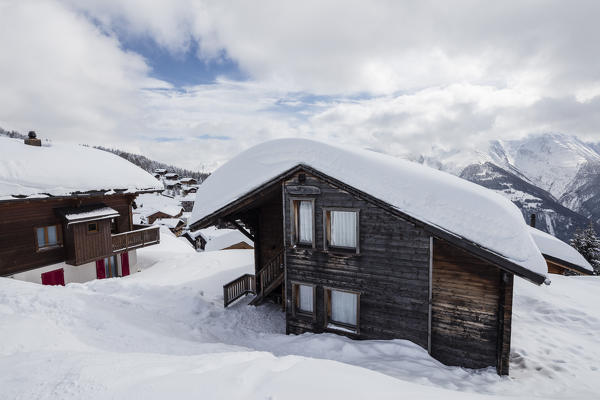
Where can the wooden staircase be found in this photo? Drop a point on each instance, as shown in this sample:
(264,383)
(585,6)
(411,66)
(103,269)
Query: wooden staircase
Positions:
(270,277)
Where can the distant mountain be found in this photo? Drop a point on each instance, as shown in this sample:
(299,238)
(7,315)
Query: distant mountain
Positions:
(554,176)
(150,165)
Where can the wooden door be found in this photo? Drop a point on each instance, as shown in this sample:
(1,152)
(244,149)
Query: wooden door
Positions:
(124,264)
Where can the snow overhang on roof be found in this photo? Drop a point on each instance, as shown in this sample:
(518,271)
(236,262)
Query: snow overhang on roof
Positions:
(559,252)
(87,213)
(449,205)
(60,170)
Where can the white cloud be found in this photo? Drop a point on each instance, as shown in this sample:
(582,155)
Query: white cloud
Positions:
(394,76)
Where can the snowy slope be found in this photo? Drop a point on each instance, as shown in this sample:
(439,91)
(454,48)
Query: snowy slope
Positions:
(62,169)
(440,199)
(163,333)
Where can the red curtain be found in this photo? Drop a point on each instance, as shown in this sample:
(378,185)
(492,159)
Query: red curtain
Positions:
(56,277)
(100,271)
(124,264)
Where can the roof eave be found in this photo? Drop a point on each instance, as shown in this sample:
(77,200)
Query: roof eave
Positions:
(568,265)
(465,244)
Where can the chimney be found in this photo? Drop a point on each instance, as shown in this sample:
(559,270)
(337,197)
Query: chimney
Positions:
(32,140)
(532,220)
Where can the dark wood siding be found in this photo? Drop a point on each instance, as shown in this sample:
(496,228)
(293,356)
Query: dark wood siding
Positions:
(91,246)
(18,219)
(470,306)
(391,272)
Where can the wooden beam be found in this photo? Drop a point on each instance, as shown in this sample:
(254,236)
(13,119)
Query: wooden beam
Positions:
(241,229)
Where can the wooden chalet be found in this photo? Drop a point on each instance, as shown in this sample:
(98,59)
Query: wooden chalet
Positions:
(165,213)
(341,259)
(196,239)
(188,181)
(71,234)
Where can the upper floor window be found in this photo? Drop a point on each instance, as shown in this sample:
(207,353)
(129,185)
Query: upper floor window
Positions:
(341,229)
(303,217)
(48,236)
(92,227)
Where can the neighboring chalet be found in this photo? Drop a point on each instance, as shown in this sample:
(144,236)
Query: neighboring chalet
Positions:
(225,239)
(65,213)
(561,258)
(196,239)
(175,225)
(165,212)
(373,247)
(188,181)
(171,176)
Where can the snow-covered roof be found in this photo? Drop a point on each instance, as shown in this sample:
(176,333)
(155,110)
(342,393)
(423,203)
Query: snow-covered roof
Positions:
(556,248)
(88,213)
(63,169)
(169,210)
(169,222)
(436,198)
(219,239)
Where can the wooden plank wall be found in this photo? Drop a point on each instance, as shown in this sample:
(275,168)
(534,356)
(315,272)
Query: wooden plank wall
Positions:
(19,218)
(466,299)
(391,272)
(91,246)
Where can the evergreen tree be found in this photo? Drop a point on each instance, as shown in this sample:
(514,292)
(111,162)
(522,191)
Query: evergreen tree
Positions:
(587,242)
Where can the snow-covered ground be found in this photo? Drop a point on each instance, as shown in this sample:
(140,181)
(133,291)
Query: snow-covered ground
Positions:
(163,333)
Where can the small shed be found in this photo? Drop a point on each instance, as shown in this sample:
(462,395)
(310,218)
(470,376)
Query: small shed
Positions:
(562,259)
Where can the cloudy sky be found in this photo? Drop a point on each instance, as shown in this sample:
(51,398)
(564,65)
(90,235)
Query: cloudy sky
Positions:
(194,82)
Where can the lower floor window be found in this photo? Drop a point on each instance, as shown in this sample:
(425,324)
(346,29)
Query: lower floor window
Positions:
(342,307)
(304,298)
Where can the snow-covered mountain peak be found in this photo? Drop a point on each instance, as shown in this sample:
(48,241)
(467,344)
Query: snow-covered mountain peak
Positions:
(551,161)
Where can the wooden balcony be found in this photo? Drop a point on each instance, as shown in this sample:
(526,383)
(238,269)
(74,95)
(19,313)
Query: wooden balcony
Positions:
(139,238)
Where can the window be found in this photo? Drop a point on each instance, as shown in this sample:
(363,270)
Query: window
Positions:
(303,217)
(304,299)
(343,309)
(341,229)
(92,227)
(48,237)
(111,267)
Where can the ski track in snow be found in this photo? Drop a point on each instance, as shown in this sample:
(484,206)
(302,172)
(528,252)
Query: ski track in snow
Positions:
(164,333)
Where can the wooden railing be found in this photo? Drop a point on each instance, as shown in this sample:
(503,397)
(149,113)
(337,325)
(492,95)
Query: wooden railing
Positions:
(270,272)
(135,239)
(237,288)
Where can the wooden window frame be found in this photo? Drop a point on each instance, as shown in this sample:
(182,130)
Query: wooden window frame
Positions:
(327,230)
(92,231)
(59,238)
(294,229)
(343,328)
(296,312)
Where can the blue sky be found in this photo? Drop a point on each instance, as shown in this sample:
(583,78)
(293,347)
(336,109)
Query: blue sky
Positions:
(185,68)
